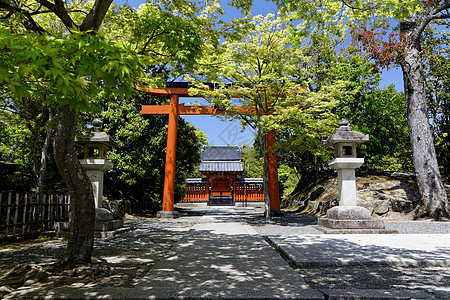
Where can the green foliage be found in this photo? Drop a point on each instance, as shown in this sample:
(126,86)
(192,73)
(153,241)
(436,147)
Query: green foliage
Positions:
(379,113)
(65,69)
(139,159)
(90,71)
(253,162)
(170,39)
(436,53)
(262,67)
(15,140)
(40,73)
(442,146)
(289,179)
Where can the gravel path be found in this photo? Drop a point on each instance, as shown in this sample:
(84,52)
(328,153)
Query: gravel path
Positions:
(303,224)
(435,281)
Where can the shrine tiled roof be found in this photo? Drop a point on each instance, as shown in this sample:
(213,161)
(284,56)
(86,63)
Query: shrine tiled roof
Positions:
(221,153)
(248,180)
(196,180)
(221,159)
(221,166)
(238,180)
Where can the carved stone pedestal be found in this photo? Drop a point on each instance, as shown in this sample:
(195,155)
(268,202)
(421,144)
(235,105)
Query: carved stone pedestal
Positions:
(351,219)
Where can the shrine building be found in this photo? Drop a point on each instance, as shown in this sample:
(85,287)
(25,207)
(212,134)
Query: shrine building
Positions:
(223,167)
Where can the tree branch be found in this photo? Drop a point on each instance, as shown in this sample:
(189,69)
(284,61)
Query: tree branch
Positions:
(29,24)
(153,35)
(160,54)
(9,14)
(354,7)
(441,8)
(244,118)
(59,10)
(5,123)
(95,17)
(434,15)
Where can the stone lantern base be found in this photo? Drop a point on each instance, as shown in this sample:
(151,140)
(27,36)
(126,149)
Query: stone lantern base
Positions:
(351,219)
(104,220)
(167,214)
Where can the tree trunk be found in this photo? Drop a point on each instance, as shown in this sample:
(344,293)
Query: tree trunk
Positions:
(263,147)
(82,216)
(433,198)
(41,163)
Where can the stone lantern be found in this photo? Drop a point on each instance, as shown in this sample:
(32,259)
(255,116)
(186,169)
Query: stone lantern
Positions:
(348,217)
(344,142)
(94,159)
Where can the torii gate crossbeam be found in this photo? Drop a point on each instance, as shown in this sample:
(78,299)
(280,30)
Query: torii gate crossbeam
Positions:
(174,109)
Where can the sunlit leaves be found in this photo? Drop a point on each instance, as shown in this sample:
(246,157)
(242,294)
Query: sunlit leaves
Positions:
(74,67)
(168,39)
(265,67)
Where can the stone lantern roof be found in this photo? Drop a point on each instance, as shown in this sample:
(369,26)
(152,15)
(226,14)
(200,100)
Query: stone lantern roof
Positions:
(98,137)
(345,135)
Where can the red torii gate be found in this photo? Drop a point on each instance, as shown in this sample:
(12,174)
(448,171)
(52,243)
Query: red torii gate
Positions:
(180,89)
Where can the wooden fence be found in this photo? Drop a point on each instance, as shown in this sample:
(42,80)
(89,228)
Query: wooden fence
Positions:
(250,193)
(21,214)
(195,193)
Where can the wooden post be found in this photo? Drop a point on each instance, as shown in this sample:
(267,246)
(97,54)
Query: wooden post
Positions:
(8,212)
(274,190)
(66,208)
(49,213)
(1,204)
(171,155)
(60,206)
(33,202)
(42,212)
(24,216)
(16,214)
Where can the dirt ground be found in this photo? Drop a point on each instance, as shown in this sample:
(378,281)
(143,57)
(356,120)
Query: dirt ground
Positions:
(120,261)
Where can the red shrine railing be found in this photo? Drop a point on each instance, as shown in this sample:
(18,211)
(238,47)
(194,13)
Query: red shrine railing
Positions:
(251,193)
(195,193)
(241,193)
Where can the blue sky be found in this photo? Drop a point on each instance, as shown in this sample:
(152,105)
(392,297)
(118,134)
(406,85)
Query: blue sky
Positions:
(223,133)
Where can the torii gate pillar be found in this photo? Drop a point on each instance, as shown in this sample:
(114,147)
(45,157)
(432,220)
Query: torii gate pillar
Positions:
(274,188)
(171,155)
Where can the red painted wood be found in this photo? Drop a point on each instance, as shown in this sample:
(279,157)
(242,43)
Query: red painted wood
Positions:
(171,154)
(274,189)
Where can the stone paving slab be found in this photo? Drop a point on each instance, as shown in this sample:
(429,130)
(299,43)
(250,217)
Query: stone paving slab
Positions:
(384,249)
(366,294)
(222,257)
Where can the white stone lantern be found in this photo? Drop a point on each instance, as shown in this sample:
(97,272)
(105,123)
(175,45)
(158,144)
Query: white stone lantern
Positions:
(344,142)
(348,217)
(95,160)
